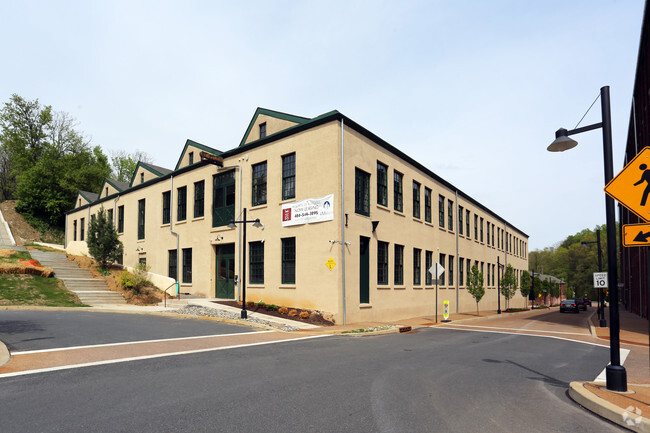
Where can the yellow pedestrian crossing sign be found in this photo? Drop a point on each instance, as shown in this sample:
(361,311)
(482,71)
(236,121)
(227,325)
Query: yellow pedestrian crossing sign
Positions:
(631,187)
(330,263)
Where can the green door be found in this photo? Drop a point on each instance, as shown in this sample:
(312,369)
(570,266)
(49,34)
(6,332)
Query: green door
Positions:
(364,270)
(225,281)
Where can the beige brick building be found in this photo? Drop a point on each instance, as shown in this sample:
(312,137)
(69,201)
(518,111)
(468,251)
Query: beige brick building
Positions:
(350,223)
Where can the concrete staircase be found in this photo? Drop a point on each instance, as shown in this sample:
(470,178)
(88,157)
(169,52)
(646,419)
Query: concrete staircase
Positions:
(91,291)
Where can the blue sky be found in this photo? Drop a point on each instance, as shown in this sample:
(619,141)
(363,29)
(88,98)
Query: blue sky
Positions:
(472,89)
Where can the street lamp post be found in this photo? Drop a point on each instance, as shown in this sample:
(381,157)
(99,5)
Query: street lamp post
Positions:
(615,373)
(531,294)
(601,298)
(256,223)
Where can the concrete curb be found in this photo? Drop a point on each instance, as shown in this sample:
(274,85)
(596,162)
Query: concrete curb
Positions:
(4,354)
(4,222)
(53,246)
(607,410)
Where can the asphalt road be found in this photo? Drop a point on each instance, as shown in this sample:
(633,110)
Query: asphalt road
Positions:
(436,380)
(23,330)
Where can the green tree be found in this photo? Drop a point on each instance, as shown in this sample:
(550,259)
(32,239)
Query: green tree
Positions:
(572,261)
(45,161)
(508,284)
(104,244)
(555,290)
(525,284)
(123,164)
(568,292)
(475,286)
(537,286)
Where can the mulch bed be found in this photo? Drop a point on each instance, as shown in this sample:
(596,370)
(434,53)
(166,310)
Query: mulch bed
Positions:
(315,318)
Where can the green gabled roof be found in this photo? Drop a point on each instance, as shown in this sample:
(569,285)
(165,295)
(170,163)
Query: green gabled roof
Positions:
(277,114)
(158,171)
(120,186)
(89,196)
(189,143)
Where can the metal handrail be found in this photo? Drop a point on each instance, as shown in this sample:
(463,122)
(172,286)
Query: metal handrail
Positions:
(165,294)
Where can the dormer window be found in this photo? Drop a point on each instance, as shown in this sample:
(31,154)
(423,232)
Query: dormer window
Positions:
(141,177)
(263,130)
(191,158)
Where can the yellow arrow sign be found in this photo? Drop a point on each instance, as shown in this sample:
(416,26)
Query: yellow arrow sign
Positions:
(631,187)
(636,235)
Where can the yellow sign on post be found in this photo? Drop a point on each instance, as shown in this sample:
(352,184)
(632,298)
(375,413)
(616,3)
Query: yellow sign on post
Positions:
(330,263)
(636,235)
(631,187)
(445,311)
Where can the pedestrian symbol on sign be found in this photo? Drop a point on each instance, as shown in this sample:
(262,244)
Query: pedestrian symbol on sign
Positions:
(645,177)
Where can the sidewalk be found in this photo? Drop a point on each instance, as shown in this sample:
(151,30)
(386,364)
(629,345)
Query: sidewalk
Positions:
(630,409)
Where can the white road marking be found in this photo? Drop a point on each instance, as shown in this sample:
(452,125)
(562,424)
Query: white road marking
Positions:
(523,335)
(515,329)
(602,377)
(58,349)
(138,358)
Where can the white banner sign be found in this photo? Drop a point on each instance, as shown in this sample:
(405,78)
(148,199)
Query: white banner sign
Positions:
(312,210)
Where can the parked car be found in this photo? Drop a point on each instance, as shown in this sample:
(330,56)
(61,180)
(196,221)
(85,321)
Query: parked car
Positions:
(587,301)
(569,305)
(580,302)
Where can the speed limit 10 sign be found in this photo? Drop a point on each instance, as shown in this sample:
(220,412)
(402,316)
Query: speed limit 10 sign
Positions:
(600,280)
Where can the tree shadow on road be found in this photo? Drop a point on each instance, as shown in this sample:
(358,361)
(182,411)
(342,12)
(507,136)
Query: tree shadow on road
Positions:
(539,376)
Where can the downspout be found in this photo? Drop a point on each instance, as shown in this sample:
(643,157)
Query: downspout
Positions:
(171,223)
(457,254)
(65,236)
(343,216)
(115,220)
(88,224)
(114,210)
(505,265)
(239,260)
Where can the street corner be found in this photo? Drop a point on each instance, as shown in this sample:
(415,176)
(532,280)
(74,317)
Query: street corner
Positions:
(4,354)
(618,407)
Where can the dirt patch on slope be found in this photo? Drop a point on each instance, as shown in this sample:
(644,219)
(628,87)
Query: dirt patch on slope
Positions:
(22,232)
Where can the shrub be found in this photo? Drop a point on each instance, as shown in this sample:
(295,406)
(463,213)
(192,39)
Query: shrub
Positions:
(304,315)
(293,313)
(283,310)
(250,303)
(261,304)
(272,307)
(126,280)
(137,280)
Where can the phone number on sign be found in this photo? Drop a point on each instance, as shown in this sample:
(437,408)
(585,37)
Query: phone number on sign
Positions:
(305,214)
